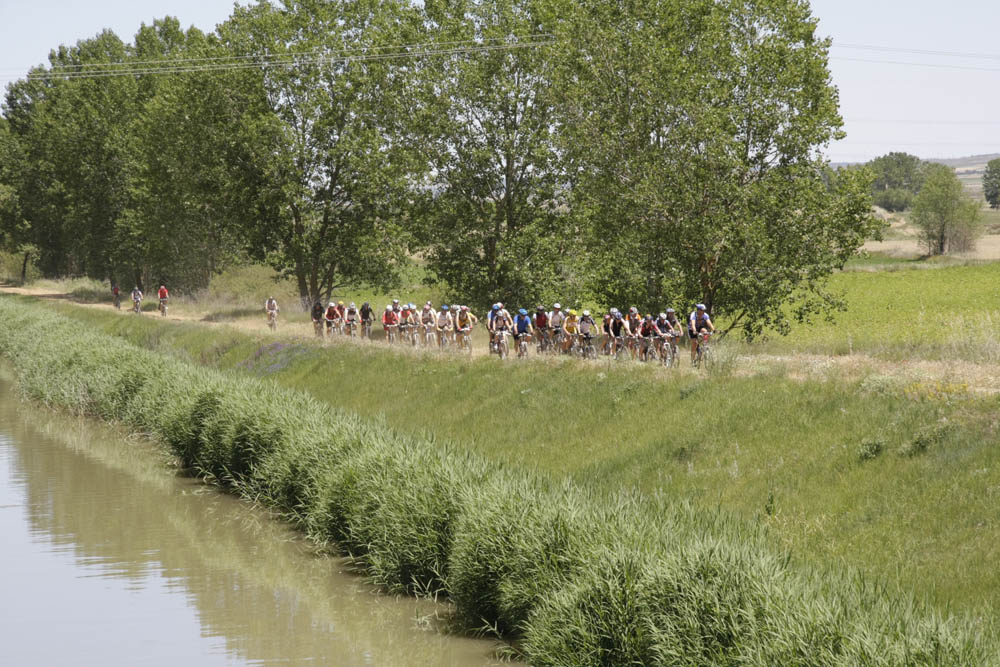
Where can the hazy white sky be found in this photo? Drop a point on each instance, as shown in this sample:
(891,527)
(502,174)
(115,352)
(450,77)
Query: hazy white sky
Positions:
(942,106)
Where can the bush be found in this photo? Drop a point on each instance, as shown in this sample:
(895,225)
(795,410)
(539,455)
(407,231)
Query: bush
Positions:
(870,448)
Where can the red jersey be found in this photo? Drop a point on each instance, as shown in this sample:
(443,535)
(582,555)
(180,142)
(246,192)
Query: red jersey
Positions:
(389,318)
(162,293)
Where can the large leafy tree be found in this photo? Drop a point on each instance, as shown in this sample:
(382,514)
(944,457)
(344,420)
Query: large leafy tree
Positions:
(697,127)
(991,183)
(898,179)
(327,178)
(948,220)
(497,224)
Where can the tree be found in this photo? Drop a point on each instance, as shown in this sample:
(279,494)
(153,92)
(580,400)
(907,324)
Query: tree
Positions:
(991,183)
(497,225)
(696,128)
(898,178)
(328,180)
(948,220)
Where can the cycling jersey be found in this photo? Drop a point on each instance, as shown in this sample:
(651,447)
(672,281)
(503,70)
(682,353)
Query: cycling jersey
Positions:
(162,293)
(607,323)
(587,325)
(352,316)
(115,290)
(271,305)
(570,324)
(521,323)
(648,329)
(634,323)
(463,320)
(696,323)
(389,318)
(366,313)
(617,326)
(663,325)
(542,320)
(136,295)
(332,314)
(501,321)
(443,319)
(557,318)
(427,316)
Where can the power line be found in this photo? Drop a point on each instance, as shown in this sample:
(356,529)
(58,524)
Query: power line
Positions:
(901,121)
(901,62)
(922,52)
(264,62)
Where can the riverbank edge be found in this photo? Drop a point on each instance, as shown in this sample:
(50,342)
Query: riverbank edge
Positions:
(581,578)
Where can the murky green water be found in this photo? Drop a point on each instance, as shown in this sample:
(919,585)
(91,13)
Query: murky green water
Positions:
(106,558)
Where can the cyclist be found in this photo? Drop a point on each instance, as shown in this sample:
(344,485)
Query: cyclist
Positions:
(698,321)
(556,320)
(609,338)
(465,320)
(137,299)
(389,320)
(587,328)
(116,295)
(522,327)
(453,333)
(317,317)
(571,325)
(427,319)
(619,331)
(162,294)
(351,317)
(634,321)
(650,334)
(396,308)
(541,324)
(367,315)
(490,316)
(407,320)
(670,327)
(331,316)
(444,324)
(271,309)
(500,323)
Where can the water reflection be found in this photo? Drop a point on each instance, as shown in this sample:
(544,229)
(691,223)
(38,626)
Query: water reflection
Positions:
(107,558)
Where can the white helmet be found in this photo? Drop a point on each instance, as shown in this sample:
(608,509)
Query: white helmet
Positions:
(556,305)
(388,306)
(332,304)
(586,313)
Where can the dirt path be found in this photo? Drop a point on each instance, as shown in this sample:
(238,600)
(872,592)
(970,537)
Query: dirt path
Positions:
(917,376)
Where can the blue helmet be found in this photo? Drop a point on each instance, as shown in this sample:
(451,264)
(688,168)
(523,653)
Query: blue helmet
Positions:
(522,312)
(700,306)
(496,306)
(444,306)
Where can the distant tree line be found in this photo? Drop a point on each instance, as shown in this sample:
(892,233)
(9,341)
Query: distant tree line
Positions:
(526,150)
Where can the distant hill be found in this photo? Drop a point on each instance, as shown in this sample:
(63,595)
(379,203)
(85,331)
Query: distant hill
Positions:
(972,162)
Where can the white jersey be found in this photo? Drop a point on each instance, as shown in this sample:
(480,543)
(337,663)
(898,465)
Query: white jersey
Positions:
(428,316)
(557,318)
(271,305)
(444,319)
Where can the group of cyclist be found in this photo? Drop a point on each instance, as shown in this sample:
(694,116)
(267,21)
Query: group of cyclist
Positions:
(163,294)
(557,330)
(566,331)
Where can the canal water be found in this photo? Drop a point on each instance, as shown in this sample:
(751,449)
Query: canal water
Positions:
(109,558)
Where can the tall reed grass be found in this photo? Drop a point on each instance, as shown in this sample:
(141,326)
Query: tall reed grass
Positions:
(579,577)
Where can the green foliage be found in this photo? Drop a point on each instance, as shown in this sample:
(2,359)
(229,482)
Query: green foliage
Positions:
(898,178)
(991,183)
(633,579)
(870,448)
(947,219)
(495,219)
(693,129)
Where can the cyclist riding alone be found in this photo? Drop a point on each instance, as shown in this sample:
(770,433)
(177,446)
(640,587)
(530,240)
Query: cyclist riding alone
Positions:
(115,295)
(698,322)
(162,294)
(522,325)
(136,298)
(444,324)
(271,308)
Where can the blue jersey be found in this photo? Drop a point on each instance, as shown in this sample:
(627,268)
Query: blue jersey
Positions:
(521,323)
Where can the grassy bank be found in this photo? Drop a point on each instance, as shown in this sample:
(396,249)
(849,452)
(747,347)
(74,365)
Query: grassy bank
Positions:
(881,474)
(583,576)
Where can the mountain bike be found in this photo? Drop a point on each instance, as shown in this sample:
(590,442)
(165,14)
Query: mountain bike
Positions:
(366,329)
(543,342)
(443,340)
(465,340)
(589,349)
(318,328)
(272,320)
(352,329)
(669,355)
(137,306)
(558,338)
(648,351)
(163,307)
(390,332)
(522,344)
(116,301)
(503,350)
(428,335)
(703,355)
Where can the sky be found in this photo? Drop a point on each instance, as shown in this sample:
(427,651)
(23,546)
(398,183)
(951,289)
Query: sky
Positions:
(942,104)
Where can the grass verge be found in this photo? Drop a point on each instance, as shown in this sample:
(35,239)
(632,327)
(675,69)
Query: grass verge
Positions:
(580,575)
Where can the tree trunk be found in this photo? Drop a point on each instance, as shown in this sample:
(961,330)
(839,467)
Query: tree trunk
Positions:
(24,267)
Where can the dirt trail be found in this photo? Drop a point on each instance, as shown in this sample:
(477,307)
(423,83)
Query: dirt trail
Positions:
(918,376)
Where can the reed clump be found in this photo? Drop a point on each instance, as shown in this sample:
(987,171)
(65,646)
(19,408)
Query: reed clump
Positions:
(578,577)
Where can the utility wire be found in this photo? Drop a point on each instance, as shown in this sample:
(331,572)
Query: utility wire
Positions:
(922,52)
(281,60)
